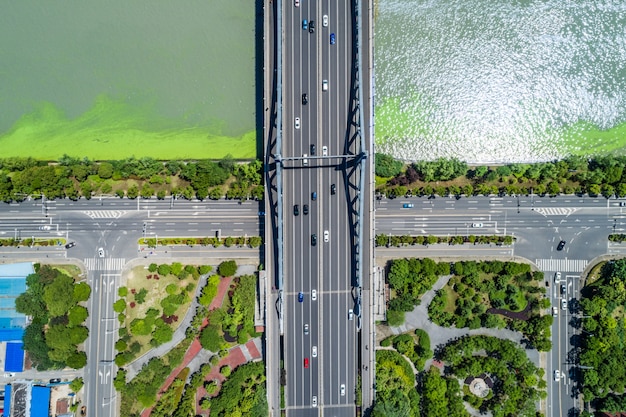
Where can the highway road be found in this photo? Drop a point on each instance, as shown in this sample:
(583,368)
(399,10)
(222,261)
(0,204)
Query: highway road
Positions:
(318,127)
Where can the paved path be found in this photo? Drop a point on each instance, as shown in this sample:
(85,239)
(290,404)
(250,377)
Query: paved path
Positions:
(418,319)
(179,334)
(196,356)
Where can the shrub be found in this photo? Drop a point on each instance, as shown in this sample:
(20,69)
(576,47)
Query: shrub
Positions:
(205,269)
(122,291)
(119,306)
(164,269)
(225,370)
(227,268)
(153,267)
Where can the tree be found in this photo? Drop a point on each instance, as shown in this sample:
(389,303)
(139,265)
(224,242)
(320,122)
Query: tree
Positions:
(59,295)
(77,360)
(76,384)
(227,268)
(82,291)
(210,338)
(386,166)
(77,315)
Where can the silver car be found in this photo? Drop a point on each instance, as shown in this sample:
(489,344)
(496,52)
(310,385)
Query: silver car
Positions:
(306,329)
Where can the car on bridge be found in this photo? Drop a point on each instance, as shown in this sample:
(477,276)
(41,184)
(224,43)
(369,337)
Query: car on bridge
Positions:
(305,98)
(314,401)
(326,236)
(333,189)
(314,351)
(312,26)
(313,239)
(407,205)
(306,329)
(325,150)
(306,363)
(296,210)
(305,209)
(333,40)
(300,297)
(296,3)
(313,295)
(296,123)
(325,20)
(305,24)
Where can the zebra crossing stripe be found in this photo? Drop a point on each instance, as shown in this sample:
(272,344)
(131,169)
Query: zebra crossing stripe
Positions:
(104,214)
(555,211)
(562,265)
(104,264)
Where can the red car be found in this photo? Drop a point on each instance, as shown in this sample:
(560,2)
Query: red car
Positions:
(306,363)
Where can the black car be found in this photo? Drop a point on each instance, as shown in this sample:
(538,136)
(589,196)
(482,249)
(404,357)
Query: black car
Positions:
(305,98)
(70,245)
(563,289)
(313,149)
(561,245)
(305,209)
(313,239)
(55,380)
(296,210)
(312,26)
(333,189)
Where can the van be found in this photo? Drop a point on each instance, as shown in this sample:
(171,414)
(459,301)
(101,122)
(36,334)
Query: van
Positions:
(324,85)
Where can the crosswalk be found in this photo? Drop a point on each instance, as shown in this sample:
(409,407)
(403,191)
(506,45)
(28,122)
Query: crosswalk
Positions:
(562,265)
(555,211)
(104,214)
(105,264)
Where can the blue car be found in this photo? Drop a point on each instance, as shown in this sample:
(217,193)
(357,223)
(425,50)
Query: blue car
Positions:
(332,39)
(305,25)
(300,297)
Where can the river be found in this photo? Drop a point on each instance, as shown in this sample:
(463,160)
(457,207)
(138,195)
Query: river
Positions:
(500,81)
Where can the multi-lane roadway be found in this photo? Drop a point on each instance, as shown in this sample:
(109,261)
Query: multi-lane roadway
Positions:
(317,226)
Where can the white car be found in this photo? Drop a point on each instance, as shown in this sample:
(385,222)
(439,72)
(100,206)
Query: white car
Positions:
(101,252)
(297,123)
(325,150)
(313,295)
(324,85)
(555,311)
(314,352)
(9,375)
(477,225)
(343,389)
(557,277)
(305,160)
(296,3)
(326,236)
(350,314)
(557,375)
(306,329)
(325,20)
(46,227)
(314,401)
(563,304)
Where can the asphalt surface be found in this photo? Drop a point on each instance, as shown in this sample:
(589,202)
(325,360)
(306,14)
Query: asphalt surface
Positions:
(538,224)
(311,262)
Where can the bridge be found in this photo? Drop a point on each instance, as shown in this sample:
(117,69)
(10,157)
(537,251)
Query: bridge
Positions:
(318,145)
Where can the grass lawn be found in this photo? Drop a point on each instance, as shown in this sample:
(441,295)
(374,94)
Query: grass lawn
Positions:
(137,279)
(451,297)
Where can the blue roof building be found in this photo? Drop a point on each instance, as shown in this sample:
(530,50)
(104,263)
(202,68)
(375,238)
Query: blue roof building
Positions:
(39,401)
(12,284)
(14,357)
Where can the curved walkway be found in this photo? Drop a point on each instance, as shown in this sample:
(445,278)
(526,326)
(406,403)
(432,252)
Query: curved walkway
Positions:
(418,319)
